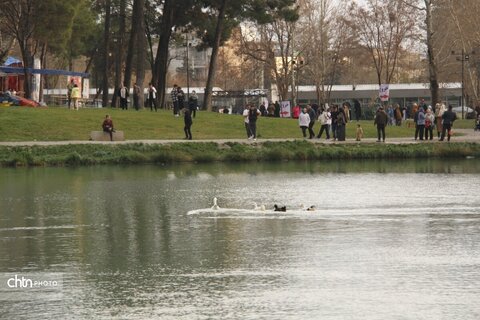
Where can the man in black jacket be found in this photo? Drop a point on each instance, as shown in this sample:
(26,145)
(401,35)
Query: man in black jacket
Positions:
(448,118)
(381,120)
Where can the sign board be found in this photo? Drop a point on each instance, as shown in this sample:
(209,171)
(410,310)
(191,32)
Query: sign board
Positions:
(285,109)
(384,92)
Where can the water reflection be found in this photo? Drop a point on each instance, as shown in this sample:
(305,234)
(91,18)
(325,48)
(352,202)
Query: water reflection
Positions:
(389,240)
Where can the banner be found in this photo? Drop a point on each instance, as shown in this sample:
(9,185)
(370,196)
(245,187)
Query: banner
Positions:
(285,109)
(384,92)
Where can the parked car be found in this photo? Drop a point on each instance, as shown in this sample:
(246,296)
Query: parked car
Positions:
(468,112)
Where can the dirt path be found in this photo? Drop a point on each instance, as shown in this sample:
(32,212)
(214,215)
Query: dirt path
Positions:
(467,135)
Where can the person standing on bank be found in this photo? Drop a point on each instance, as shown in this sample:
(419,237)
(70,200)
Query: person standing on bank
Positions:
(312,115)
(152,96)
(304,122)
(420,124)
(252,121)
(429,124)
(123,93)
(193,103)
(381,121)
(448,118)
(187,118)
(246,112)
(439,111)
(136,96)
(107,126)
(341,124)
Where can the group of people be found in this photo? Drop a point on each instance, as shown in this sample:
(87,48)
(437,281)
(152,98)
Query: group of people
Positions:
(178,99)
(426,119)
(250,116)
(333,118)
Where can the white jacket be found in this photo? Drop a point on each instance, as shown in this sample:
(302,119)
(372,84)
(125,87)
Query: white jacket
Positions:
(303,120)
(325,118)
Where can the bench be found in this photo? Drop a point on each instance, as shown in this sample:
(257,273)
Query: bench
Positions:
(105,136)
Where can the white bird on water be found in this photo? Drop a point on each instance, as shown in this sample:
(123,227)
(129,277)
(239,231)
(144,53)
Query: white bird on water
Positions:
(261,208)
(215,205)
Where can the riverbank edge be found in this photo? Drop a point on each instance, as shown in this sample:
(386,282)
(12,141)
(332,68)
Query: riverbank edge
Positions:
(207,152)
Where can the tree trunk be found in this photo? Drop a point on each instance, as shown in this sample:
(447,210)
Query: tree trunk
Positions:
(137,17)
(119,52)
(106,48)
(161,61)
(141,54)
(212,68)
(432,66)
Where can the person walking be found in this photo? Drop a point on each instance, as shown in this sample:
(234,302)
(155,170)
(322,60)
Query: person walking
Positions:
(252,121)
(246,112)
(304,121)
(358,109)
(325,122)
(152,97)
(448,118)
(381,121)
(312,115)
(187,118)
(136,96)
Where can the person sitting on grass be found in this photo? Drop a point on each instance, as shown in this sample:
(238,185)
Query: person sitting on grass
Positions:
(107,126)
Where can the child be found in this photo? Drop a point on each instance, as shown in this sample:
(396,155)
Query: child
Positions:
(359,134)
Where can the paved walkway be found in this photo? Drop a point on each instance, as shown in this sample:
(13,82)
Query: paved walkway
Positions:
(468,135)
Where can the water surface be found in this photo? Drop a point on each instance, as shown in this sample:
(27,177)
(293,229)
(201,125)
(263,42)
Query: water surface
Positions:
(389,240)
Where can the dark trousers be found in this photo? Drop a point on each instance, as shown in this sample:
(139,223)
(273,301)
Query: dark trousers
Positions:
(123,103)
(429,132)
(447,127)
(175,107)
(380,132)
(334,131)
(152,103)
(310,129)
(136,102)
(188,131)
(109,131)
(340,132)
(247,128)
(419,129)
(304,131)
(324,127)
(253,128)
(193,111)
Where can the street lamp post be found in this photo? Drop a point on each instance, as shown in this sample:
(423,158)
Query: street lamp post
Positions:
(188,67)
(463,57)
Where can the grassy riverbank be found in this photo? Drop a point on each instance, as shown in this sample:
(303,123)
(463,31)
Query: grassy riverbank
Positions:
(92,154)
(61,124)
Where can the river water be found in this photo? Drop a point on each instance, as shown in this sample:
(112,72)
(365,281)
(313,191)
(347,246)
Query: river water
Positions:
(388,240)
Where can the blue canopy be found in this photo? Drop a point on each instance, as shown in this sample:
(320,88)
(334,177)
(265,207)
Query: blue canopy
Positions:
(11,60)
(19,70)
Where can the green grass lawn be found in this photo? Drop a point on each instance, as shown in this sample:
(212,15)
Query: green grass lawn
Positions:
(59,123)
